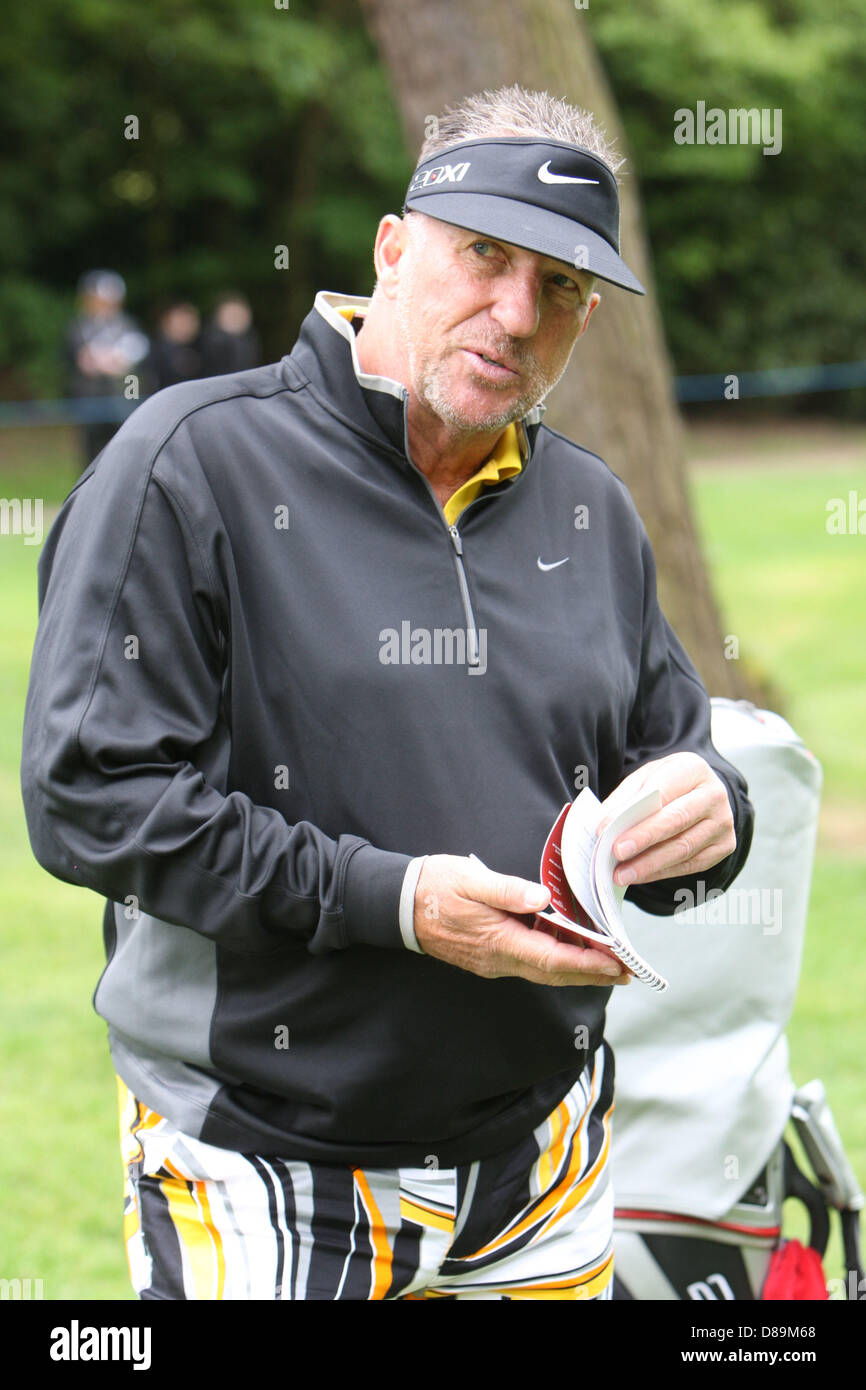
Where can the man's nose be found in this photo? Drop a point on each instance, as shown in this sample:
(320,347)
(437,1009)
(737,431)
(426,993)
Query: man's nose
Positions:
(517,303)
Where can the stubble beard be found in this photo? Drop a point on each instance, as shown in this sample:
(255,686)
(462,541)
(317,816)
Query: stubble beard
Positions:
(432,389)
(428,378)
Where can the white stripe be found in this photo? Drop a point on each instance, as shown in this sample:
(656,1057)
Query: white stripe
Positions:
(234,1245)
(356,1199)
(463,1214)
(302,1181)
(285,1232)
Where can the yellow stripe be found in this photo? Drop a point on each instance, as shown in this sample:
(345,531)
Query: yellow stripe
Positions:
(584,1185)
(199,1238)
(382,1254)
(219,1254)
(190,1214)
(131,1152)
(589,1285)
(554,1195)
(595,1286)
(573,1289)
(134,1119)
(131,1218)
(131,1226)
(423,1216)
(550,1160)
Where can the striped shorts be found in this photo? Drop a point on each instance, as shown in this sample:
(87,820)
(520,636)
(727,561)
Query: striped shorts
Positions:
(536,1221)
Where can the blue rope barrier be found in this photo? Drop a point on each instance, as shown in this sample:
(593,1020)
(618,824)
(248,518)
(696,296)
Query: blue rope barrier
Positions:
(713,386)
(774,381)
(78,410)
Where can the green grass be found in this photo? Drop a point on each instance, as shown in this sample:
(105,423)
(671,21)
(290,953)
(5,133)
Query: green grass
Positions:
(827,1033)
(794,596)
(60,1175)
(39,462)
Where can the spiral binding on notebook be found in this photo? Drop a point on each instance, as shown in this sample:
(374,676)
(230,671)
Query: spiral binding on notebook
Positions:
(630,957)
(623,951)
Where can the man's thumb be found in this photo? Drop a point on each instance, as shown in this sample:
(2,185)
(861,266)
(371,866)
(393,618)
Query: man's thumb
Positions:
(516,895)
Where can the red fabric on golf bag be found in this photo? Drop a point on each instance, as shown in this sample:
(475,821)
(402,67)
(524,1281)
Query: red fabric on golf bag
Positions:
(795,1272)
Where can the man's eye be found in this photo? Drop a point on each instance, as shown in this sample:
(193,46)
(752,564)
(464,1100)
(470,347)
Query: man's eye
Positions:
(482,247)
(565,282)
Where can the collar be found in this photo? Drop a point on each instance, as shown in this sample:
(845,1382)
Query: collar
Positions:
(505,462)
(363,397)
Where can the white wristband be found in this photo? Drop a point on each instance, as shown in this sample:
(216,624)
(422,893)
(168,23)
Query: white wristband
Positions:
(407,904)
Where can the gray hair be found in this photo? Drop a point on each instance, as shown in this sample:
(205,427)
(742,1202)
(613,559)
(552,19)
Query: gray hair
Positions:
(517,111)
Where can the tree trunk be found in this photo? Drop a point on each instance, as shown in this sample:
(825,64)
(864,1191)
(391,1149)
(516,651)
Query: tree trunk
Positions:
(616,396)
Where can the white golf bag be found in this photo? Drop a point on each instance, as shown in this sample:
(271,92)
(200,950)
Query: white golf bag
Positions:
(703,1089)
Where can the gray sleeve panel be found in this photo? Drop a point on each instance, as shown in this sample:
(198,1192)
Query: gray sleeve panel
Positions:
(164,1083)
(160,987)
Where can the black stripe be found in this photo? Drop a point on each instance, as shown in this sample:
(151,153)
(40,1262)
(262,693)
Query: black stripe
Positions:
(360,1272)
(161,1240)
(284,1177)
(269,1181)
(501,1193)
(407,1257)
(595,1128)
(333,1218)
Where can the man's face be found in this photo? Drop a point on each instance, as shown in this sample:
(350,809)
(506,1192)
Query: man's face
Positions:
(486,328)
(99,306)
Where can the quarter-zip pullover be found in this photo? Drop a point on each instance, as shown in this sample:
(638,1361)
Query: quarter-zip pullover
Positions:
(268,674)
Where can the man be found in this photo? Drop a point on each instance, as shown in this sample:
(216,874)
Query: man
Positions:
(175,352)
(103,346)
(229,341)
(278,700)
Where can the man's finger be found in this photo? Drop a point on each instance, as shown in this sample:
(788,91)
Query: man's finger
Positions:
(674,776)
(694,818)
(539,958)
(671,860)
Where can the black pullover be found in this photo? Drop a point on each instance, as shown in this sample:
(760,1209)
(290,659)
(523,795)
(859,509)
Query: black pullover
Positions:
(264,679)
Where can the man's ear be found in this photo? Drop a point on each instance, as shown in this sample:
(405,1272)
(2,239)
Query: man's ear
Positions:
(390,244)
(594,299)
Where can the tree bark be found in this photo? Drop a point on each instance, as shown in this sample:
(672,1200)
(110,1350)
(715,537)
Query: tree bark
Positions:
(616,396)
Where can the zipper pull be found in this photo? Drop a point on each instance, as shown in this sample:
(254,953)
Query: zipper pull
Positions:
(455,537)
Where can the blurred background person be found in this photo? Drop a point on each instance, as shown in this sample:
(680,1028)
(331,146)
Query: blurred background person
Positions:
(229,342)
(175,353)
(104,345)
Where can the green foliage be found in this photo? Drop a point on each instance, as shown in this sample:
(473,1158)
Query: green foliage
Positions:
(257,127)
(758,257)
(261,127)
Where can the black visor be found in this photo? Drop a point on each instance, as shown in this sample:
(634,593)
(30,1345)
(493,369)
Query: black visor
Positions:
(543,195)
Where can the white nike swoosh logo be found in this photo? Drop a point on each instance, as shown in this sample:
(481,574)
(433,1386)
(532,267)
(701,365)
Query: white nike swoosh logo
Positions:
(546,177)
(555,565)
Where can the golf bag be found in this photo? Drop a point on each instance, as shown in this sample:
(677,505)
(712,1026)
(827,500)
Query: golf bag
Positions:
(704,1095)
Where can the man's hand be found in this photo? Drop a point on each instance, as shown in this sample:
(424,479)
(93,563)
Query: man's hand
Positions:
(473,918)
(693,830)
